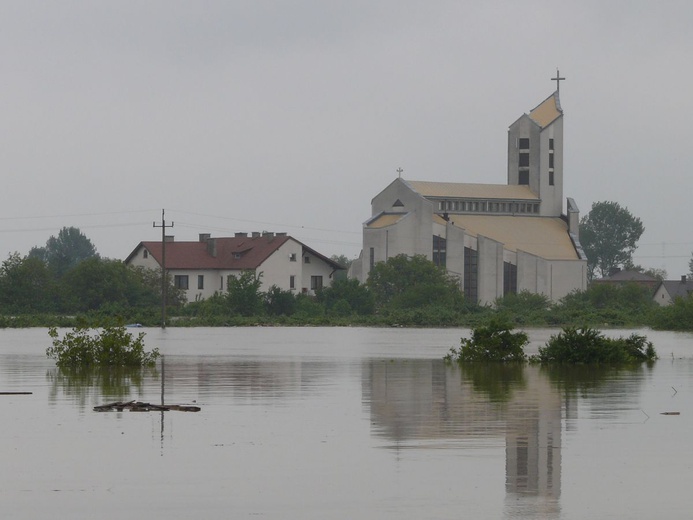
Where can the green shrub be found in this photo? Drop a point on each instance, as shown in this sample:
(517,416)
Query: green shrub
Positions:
(492,342)
(113,346)
(590,346)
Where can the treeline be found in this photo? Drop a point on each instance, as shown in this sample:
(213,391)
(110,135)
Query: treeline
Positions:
(404,291)
(93,287)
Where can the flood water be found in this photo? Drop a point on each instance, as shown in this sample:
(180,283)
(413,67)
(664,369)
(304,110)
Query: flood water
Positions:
(343,423)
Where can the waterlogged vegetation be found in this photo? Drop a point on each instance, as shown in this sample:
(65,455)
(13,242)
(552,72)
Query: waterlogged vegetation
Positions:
(109,347)
(404,291)
(497,343)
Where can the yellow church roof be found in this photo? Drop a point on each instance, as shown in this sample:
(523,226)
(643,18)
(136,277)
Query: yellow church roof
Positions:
(546,237)
(472,191)
(385,220)
(547,112)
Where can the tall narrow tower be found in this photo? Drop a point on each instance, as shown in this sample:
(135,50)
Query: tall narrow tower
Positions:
(535,154)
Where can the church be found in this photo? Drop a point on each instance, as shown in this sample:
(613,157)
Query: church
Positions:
(495,238)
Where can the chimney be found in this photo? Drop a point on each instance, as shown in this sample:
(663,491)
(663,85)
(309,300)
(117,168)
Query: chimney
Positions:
(241,235)
(212,247)
(282,234)
(267,234)
(168,238)
(256,234)
(205,236)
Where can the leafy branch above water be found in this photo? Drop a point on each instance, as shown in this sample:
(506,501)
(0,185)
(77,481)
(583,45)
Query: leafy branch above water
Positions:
(112,346)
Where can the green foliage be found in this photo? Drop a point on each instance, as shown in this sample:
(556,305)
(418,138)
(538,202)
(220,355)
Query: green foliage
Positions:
(493,342)
(244,296)
(408,282)
(605,304)
(609,234)
(523,308)
(65,251)
(677,316)
(279,302)
(590,346)
(356,295)
(26,285)
(113,346)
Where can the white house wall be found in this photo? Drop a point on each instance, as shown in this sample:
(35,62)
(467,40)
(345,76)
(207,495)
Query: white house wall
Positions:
(279,267)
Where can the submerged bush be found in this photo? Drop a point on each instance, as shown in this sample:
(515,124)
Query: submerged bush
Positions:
(590,346)
(113,346)
(492,342)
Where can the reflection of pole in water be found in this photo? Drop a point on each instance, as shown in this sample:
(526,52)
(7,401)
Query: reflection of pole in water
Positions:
(163,373)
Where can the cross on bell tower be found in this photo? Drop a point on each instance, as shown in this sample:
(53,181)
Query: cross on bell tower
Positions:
(558,80)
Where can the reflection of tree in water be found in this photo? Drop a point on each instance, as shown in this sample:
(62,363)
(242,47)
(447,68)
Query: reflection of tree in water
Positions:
(496,380)
(584,379)
(93,385)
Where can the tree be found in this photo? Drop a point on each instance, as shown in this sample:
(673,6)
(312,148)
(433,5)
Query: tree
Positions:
(351,293)
(408,282)
(344,262)
(244,296)
(690,268)
(608,234)
(26,285)
(65,251)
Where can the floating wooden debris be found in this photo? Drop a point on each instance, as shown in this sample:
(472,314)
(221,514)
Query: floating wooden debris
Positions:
(16,393)
(670,413)
(137,406)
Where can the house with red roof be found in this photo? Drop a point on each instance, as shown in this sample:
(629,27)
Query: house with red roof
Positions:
(202,268)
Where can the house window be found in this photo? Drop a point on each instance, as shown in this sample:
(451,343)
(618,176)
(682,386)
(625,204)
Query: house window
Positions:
(315,283)
(509,278)
(292,257)
(200,281)
(551,144)
(221,283)
(524,143)
(524,160)
(292,282)
(439,250)
(471,275)
(145,254)
(550,160)
(306,260)
(237,255)
(523,178)
(180,281)
(550,178)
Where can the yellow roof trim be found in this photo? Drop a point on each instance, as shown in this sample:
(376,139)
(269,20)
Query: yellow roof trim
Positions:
(547,112)
(472,191)
(385,220)
(546,237)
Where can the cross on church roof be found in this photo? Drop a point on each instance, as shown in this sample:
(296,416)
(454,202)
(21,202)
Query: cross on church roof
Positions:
(558,80)
(399,171)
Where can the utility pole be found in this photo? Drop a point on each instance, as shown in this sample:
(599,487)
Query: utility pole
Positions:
(164,280)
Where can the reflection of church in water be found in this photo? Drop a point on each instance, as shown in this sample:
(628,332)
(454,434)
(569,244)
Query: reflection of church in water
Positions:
(426,401)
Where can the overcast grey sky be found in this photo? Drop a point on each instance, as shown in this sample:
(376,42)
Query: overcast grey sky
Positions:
(292,116)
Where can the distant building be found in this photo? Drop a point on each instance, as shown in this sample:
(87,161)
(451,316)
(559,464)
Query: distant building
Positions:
(203,268)
(619,277)
(496,238)
(668,290)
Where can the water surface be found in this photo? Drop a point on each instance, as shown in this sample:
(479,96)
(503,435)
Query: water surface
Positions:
(337,423)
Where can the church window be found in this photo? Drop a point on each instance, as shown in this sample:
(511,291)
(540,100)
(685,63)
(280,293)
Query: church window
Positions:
(524,143)
(550,160)
(441,205)
(509,278)
(471,274)
(439,250)
(372,257)
(524,178)
(524,160)
(550,178)
(551,144)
